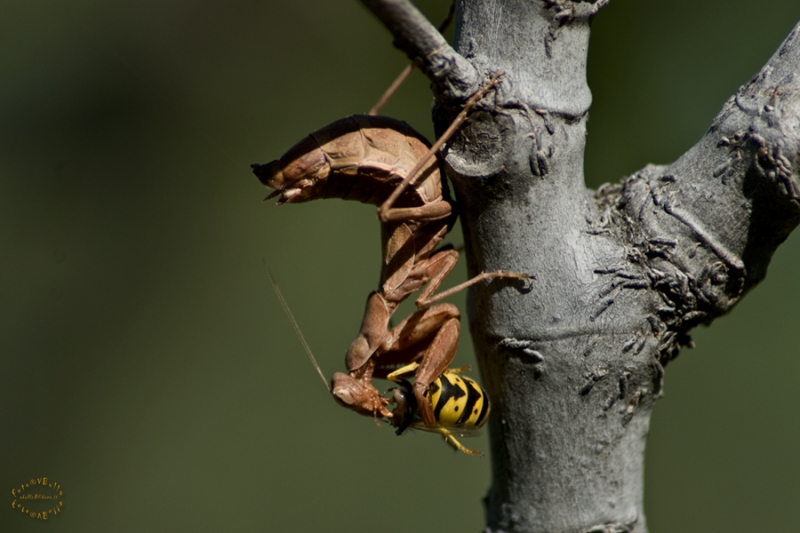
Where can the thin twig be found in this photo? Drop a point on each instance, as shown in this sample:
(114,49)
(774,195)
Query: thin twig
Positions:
(453,76)
(406,71)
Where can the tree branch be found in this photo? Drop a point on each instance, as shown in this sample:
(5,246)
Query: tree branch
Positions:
(709,223)
(454,78)
(574,366)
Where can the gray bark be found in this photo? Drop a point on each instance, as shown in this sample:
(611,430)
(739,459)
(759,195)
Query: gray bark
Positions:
(574,365)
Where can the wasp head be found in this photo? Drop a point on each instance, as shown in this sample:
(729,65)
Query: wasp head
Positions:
(405,412)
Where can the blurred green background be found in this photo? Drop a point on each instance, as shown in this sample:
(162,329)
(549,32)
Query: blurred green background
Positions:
(146,364)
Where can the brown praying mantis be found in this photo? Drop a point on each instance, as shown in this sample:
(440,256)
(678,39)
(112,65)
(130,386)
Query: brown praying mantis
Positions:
(384,162)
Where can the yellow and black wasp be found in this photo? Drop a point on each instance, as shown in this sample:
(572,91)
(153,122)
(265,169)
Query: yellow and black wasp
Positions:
(459,404)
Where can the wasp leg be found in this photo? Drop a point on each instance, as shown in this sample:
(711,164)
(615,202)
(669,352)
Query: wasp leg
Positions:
(395,376)
(459,369)
(453,443)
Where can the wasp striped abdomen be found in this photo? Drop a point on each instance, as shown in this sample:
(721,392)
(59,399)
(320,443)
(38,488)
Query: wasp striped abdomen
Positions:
(458,401)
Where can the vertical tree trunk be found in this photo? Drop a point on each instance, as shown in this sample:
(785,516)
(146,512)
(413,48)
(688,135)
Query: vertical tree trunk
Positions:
(572,375)
(574,364)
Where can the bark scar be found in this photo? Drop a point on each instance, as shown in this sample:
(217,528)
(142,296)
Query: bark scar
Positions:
(522,347)
(730,258)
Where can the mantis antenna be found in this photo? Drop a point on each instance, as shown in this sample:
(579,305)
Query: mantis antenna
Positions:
(296,328)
